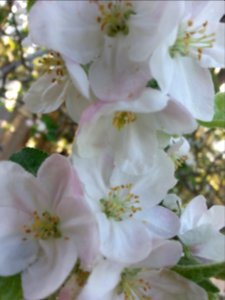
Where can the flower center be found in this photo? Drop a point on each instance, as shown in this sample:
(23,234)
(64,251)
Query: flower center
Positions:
(192,41)
(52,63)
(113,17)
(120,203)
(121,118)
(44,227)
(132,286)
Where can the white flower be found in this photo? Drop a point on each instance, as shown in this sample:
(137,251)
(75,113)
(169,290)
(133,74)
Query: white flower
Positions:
(195,43)
(117,36)
(145,280)
(45,225)
(200,230)
(56,86)
(129,129)
(129,221)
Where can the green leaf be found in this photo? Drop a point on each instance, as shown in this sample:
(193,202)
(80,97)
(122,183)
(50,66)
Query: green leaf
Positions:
(200,272)
(30,159)
(10,288)
(209,286)
(212,296)
(219,115)
(30,3)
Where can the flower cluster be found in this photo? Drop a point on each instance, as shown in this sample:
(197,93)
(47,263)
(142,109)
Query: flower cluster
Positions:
(101,225)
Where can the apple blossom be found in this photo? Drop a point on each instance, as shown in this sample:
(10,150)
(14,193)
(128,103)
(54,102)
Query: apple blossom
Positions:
(130,129)
(56,86)
(146,280)
(45,225)
(200,230)
(116,36)
(195,44)
(125,206)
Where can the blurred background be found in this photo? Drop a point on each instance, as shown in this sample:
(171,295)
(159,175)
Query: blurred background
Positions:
(203,173)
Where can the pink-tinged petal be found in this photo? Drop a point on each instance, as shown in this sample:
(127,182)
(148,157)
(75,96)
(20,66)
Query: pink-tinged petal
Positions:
(214,216)
(102,281)
(69,27)
(192,213)
(175,119)
(169,285)
(205,243)
(124,242)
(75,103)
(114,77)
(160,221)
(80,226)
(45,96)
(79,78)
(193,87)
(50,270)
(165,254)
(16,253)
(148,101)
(57,177)
(20,189)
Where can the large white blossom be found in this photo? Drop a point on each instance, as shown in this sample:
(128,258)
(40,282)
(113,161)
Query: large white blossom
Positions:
(200,230)
(130,129)
(115,36)
(146,280)
(45,225)
(180,64)
(130,222)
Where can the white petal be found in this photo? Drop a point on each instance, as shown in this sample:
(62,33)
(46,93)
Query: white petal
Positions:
(44,96)
(169,285)
(160,221)
(20,189)
(192,213)
(193,87)
(80,226)
(214,216)
(79,78)
(124,242)
(165,254)
(16,253)
(103,280)
(75,103)
(205,243)
(94,174)
(47,274)
(161,57)
(69,27)
(114,77)
(175,119)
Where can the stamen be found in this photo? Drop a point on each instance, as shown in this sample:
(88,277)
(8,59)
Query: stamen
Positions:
(120,203)
(53,64)
(114,17)
(44,226)
(121,118)
(132,286)
(192,42)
